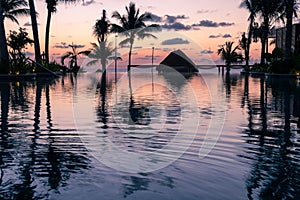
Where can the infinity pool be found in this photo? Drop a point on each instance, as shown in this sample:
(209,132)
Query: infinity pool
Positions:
(150,136)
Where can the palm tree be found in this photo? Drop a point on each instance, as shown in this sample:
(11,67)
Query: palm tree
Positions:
(251,7)
(133,25)
(18,41)
(73,56)
(229,54)
(37,50)
(9,9)
(289,10)
(14,8)
(4,59)
(269,12)
(51,8)
(101,53)
(101,28)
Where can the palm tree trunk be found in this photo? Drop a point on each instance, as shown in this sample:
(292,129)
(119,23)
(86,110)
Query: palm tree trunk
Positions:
(265,33)
(4,58)
(47,35)
(289,29)
(35,32)
(129,58)
(227,68)
(263,50)
(130,52)
(249,39)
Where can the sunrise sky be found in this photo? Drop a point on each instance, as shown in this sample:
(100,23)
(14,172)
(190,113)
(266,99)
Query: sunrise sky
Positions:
(195,26)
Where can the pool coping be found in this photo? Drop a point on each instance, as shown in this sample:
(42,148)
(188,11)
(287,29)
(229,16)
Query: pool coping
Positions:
(31,76)
(270,75)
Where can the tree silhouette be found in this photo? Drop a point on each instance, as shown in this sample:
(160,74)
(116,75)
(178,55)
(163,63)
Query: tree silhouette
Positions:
(229,55)
(51,8)
(9,9)
(289,10)
(101,28)
(269,13)
(73,56)
(18,41)
(132,25)
(251,7)
(37,50)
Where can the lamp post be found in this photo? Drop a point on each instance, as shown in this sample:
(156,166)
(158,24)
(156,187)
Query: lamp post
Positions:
(116,49)
(152,68)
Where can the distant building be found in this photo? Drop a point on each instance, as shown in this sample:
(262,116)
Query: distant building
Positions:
(280,38)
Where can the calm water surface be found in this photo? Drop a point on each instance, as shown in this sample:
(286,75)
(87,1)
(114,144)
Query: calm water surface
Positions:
(45,125)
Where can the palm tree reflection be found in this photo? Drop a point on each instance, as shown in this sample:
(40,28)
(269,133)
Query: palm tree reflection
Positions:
(39,156)
(141,182)
(5,99)
(275,170)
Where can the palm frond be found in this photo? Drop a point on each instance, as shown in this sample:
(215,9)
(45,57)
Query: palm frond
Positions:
(66,55)
(117,29)
(86,52)
(92,62)
(124,42)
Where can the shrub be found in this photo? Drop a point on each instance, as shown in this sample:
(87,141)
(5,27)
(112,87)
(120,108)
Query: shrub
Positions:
(281,66)
(259,68)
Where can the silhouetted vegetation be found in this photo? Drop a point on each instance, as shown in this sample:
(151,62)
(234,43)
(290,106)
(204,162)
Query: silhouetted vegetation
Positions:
(229,54)
(73,56)
(132,25)
(263,16)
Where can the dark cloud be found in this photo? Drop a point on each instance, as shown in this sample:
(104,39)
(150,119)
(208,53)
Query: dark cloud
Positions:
(165,49)
(61,46)
(148,58)
(202,11)
(172,19)
(28,53)
(225,24)
(90,2)
(209,23)
(206,51)
(215,36)
(155,18)
(227,36)
(127,47)
(168,19)
(64,45)
(175,41)
(196,28)
(29,24)
(176,26)
(79,46)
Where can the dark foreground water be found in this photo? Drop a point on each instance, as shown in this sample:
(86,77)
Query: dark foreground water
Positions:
(52,132)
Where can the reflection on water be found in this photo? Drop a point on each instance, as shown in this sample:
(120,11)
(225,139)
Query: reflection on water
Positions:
(37,154)
(272,133)
(43,157)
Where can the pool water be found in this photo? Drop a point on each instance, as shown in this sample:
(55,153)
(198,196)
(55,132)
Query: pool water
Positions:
(150,136)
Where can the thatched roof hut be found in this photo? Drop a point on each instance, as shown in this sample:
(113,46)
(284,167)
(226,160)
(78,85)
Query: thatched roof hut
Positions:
(178,61)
